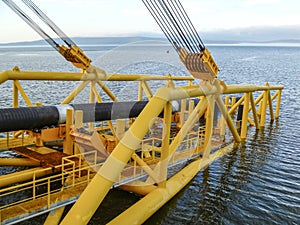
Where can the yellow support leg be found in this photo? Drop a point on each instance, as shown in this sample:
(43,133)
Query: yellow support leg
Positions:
(68,142)
(209,126)
(264,109)
(270,106)
(254,111)
(15,95)
(245,116)
(278,104)
(165,145)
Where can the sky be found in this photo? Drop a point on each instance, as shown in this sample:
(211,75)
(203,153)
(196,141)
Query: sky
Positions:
(87,18)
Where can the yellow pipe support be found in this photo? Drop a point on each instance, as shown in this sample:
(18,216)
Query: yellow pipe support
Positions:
(22,176)
(182,112)
(165,145)
(254,111)
(264,109)
(222,122)
(68,142)
(270,106)
(278,104)
(209,126)
(228,120)
(147,206)
(15,96)
(18,162)
(245,116)
(140,91)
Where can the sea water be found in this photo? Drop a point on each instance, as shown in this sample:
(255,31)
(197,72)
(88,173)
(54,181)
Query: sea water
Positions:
(258,183)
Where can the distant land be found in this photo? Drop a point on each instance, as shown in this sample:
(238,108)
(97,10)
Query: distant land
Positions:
(254,35)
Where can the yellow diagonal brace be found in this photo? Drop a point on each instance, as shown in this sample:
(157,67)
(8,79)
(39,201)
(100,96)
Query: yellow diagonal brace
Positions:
(22,92)
(107,91)
(228,119)
(75,92)
(233,108)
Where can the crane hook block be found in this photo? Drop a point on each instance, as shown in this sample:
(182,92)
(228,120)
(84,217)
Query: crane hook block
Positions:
(200,65)
(76,56)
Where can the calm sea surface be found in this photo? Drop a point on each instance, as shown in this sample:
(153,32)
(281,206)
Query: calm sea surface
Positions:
(259,183)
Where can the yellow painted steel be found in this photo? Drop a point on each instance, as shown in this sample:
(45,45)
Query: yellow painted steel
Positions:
(119,157)
(75,92)
(278,104)
(145,167)
(165,145)
(147,206)
(15,96)
(147,89)
(229,122)
(18,162)
(253,108)
(209,126)
(93,195)
(107,91)
(270,106)
(138,187)
(245,116)
(22,176)
(54,216)
(234,107)
(68,143)
(193,117)
(90,199)
(68,76)
(140,92)
(264,109)
(19,88)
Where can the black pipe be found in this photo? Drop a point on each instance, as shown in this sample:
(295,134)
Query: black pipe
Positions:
(30,118)
(109,110)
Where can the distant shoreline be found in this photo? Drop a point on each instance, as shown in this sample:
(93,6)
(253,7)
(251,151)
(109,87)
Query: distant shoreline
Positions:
(136,40)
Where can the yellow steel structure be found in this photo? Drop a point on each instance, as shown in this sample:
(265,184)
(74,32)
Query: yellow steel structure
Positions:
(135,154)
(101,177)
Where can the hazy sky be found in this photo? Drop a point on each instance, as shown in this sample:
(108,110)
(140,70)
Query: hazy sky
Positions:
(128,17)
